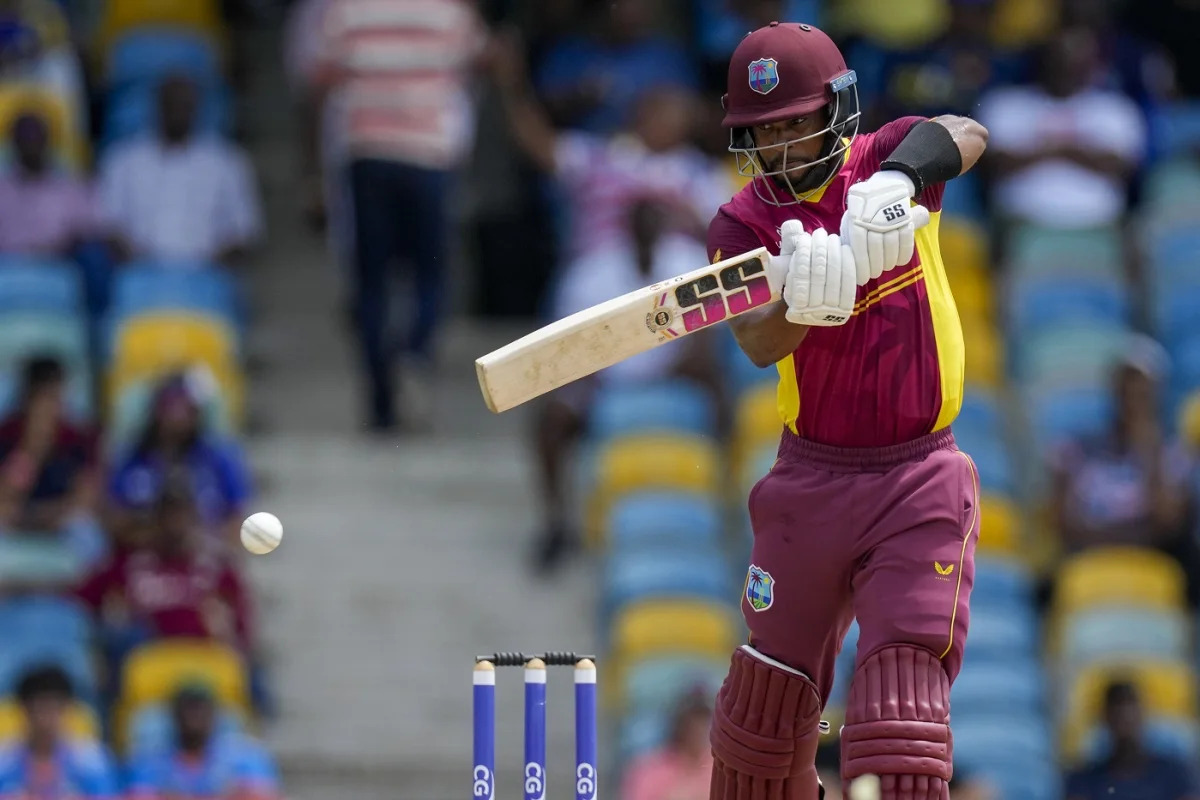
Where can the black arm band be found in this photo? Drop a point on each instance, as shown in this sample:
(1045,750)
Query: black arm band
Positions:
(928,155)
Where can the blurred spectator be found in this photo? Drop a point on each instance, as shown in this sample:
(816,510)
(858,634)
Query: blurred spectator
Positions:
(720,24)
(202,764)
(399,77)
(1130,771)
(177,195)
(1172,24)
(1063,151)
(592,82)
(48,466)
(170,587)
(1129,486)
(176,441)
(646,254)
(36,48)
(43,211)
(950,74)
(302,36)
(1129,63)
(46,764)
(599,176)
(682,768)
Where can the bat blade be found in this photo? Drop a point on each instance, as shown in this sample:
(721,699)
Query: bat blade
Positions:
(598,337)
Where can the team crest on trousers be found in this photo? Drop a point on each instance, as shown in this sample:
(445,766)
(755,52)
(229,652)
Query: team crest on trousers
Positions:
(764,75)
(760,588)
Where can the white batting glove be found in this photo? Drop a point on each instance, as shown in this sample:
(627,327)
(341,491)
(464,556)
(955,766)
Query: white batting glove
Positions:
(820,283)
(879,223)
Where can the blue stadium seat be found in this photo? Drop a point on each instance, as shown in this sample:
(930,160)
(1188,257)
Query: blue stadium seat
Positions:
(145,286)
(1059,414)
(1021,778)
(982,740)
(20,655)
(1179,128)
(1071,355)
(41,286)
(666,407)
(28,334)
(1002,584)
(664,519)
(133,111)
(641,732)
(148,55)
(1041,302)
(25,617)
(1119,633)
(1185,367)
(1176,311)
(980,410)
(990,453)
(1001,632)
(964,197)
(1174,252)
(665,573)
(985,688)
(658,684)
(40,559)
(739,369)
(1044,251)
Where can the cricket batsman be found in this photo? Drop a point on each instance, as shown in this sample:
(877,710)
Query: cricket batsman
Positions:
(870,511)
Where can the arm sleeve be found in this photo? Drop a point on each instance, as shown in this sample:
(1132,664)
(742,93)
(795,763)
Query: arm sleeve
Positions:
(885,142)
(728,238)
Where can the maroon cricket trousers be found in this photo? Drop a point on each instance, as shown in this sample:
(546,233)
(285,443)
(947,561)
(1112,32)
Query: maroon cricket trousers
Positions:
(885,535)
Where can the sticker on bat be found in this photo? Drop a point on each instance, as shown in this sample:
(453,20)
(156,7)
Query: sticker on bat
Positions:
(734,290)
(658,320)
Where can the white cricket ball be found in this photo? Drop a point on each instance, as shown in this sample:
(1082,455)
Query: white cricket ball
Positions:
(261,533)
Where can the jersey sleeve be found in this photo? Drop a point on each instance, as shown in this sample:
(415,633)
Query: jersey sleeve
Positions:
(885,141)
(728,238)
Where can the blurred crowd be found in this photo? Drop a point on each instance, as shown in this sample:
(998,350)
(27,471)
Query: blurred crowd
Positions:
(129,662)
(576,148)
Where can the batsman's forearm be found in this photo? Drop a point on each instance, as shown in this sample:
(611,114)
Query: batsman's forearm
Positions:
(766,336)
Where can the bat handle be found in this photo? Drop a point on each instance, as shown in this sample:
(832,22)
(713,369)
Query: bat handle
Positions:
(920,215)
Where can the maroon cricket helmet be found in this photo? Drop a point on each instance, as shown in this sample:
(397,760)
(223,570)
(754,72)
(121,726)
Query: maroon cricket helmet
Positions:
(783,71)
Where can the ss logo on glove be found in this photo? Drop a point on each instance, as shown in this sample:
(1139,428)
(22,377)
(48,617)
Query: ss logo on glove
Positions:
(893,213)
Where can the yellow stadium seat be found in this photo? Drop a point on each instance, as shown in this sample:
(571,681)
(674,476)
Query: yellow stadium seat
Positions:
(756,423)
(150,345)
(1189,421)
(122,16)
(984,355)
(973,295)
(671,627)
(1167,689)
(80,721)
(66,128)
(1018,24)
(153,672)
(1000,527)
(964,247)
(628,464)
(1125,576)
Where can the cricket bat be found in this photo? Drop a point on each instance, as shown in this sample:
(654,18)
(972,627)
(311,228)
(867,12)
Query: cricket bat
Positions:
(605,334)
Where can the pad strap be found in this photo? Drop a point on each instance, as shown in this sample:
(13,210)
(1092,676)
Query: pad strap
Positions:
(898,717)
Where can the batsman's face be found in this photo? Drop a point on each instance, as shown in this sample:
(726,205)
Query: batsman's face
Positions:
(790,144)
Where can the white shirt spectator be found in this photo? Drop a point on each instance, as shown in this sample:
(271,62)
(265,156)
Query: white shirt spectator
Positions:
(1057,192)
(189,202)
(612,271)
(602,176)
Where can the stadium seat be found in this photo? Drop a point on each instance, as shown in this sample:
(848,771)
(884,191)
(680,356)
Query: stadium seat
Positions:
(1167,690)
(640,463)
(40,559)
(1004,737)
(991,457)
(985,356)
(79,721)
(1172,253)
(1175,310)
(999,527)
(640,733)
(1001,632)
(1107,634)
(22,654)
(1108,577)
(660,407)
(146,55)
(1171,195)
(154,671)
(963,199)
(974,295)
(1057,414)
(153,286)
(1038,303)
(739,370)
(964,249)
(1013,686)
(1045,251)
(1171,737)
(44,617)
(658,684)
(664,519)
(122,17)
(756,423)
(673,627)
(39,286)
(980,410)
(133,111)
(152,729)
(68,147)
(1079,355)
(1001,582)
(1180,129)
(664,574)
(24,335)
(1021,778)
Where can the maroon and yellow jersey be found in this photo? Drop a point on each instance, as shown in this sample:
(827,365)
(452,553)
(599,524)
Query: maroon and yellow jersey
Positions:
(894,371)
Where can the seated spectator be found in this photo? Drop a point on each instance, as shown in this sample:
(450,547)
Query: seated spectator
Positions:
(682,768)
(593,82)
(177,441)
(1129,771)
(203,765)
(46,764)
(644,256)
(43,211)
(48,466)
(179,195)
(600,176)
(170,587)
(1063,152)
(1129,486)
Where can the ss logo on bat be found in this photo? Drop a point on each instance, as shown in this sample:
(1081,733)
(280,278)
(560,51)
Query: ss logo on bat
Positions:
(730,292)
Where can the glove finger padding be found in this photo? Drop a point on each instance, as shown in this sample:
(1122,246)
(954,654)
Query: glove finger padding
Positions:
(875,253)
(833,271)
(907,244)
(849,271)
(818,273)
(891,249)
(789,236)
(799,280)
